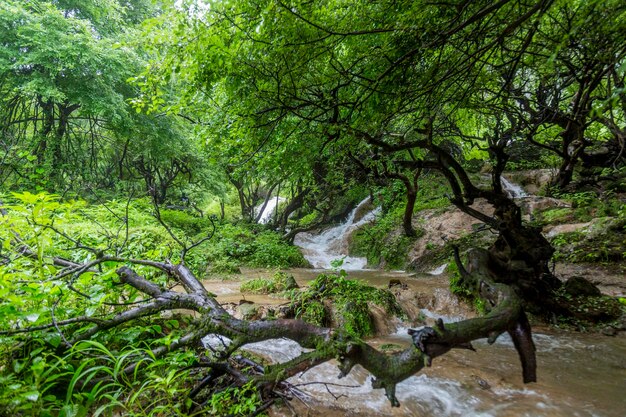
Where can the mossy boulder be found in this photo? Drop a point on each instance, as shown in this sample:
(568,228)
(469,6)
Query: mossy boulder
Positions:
(580,286)
(248,311)
(355,318)
(335,300)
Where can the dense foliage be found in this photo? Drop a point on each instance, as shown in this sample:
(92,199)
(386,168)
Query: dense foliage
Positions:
(141,141)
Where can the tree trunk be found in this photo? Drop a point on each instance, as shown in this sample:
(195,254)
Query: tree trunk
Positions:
(574,145)
(293,205)
(407,219)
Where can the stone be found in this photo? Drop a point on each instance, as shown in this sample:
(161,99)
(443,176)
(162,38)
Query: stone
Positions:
(609,331)
(580,286)
(248,311)
(290,282)
(394,282)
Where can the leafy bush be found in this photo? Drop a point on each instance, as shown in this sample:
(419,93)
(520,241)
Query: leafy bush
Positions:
(191,225)
(238,245)
(271,251)
(278,283)
(350,299)
(237,401)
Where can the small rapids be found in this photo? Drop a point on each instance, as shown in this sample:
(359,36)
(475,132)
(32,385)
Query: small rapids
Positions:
(439,270)
(512,190)
(581,375)
(332,244)
(464,383)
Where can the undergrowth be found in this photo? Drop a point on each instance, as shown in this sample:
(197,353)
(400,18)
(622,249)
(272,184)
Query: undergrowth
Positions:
(349,300)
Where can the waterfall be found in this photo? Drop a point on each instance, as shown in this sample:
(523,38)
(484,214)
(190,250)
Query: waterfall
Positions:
(333,243)
(268,212)
(513,190)
(439,270)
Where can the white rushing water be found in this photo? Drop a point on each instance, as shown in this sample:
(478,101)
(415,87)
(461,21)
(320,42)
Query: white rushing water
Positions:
(269,210)
(513,190)
(439,270)
(456,393)
(332,244)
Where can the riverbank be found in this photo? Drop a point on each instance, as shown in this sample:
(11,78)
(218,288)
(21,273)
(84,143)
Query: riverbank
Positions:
(462,382)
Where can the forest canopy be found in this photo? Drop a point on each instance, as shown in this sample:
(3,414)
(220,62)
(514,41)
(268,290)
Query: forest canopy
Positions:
(141,141)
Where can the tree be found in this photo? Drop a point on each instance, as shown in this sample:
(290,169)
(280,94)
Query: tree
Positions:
(324,88)
(65,67)
(565,86)
(83,310)
(392,93)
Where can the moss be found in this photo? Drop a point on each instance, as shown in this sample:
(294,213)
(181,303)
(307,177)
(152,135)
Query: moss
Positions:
(315,312)
(557,216)
(587,310)
(604,243)
(354,317)
(382,243)
(462,289)
(390,347)
(350,304)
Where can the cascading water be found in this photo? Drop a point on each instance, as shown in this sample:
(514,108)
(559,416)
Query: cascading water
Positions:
(513,190)
(269,209)
(579,374)
(320,250)
(464,383)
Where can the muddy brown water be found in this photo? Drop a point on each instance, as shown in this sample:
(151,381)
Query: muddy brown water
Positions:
(578,374)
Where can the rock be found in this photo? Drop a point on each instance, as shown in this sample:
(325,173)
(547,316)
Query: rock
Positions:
(609,331)
(363,209)
(559,229)
(481,382)
(356,318)
(290,282)
(579,286)
(395,282)
(248,311)
(532,180)
(532,204)
(621,323)
(285,312)
(439,227)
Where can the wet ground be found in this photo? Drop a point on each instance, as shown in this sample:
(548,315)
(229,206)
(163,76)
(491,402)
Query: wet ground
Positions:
(578,374)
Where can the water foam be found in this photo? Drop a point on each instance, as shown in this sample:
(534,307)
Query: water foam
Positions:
(332,244)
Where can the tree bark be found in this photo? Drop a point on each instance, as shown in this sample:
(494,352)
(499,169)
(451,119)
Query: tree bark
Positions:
(506,314)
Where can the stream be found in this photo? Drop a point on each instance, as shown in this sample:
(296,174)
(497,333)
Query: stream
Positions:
(578,374)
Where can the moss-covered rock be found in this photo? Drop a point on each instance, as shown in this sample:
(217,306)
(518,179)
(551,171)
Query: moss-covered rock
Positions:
(248,311)
(603,240)
(332,299)
(580,286)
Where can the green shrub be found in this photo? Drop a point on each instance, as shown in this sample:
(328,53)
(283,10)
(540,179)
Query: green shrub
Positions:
(190,224)
(242,245)
(350,299)
(278,283)
(236,401)
(271,251)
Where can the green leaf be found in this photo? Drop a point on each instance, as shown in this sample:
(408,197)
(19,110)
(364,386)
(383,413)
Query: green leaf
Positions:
(31,395)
